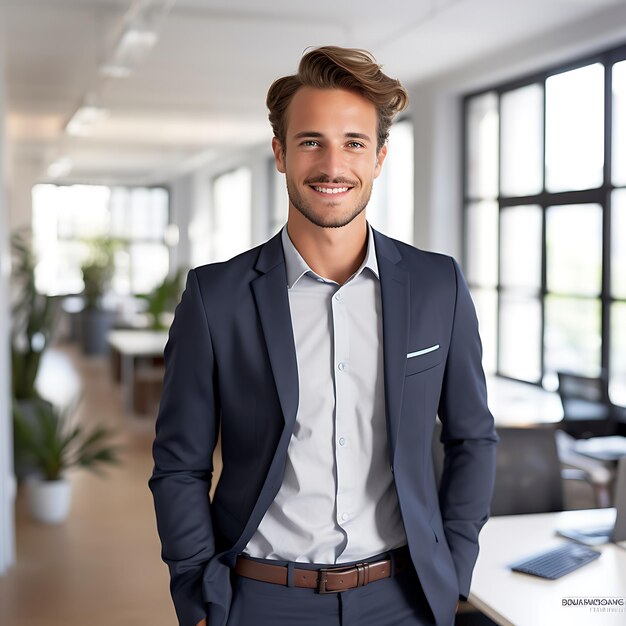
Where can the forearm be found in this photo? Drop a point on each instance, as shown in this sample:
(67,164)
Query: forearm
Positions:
(469,439)
(186,435)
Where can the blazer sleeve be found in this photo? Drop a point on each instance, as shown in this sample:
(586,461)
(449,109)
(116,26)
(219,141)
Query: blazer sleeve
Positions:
(186,435)
(469,439)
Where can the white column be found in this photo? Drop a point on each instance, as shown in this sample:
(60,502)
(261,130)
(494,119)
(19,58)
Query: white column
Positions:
(7,478)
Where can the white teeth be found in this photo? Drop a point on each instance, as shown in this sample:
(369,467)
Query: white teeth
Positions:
(331,190)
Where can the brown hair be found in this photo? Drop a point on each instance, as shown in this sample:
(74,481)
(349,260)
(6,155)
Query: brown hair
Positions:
(332,67)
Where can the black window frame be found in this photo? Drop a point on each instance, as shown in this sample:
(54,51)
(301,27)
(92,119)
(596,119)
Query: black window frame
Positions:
(544,199)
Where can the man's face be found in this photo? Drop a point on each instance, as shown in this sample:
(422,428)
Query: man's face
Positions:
(330,158)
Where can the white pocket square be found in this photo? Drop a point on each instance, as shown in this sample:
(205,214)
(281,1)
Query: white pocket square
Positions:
(410,355)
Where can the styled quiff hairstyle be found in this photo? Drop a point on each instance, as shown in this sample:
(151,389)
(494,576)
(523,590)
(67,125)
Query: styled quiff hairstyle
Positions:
(332,67)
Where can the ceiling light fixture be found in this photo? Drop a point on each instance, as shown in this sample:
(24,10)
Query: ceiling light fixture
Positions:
(86,117)
(60,167)
(137,35)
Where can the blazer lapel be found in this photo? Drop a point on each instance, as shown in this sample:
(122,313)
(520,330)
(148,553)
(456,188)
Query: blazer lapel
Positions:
(272,300)
(394,287)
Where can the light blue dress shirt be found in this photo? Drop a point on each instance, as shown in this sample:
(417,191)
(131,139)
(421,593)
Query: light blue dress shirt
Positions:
(338,501)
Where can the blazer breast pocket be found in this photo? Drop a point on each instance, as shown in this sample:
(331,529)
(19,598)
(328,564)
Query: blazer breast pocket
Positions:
(423,359)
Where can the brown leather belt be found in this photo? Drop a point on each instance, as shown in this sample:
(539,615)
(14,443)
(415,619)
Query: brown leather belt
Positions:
(328,579)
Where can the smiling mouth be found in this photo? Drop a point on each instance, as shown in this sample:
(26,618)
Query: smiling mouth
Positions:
(328,190)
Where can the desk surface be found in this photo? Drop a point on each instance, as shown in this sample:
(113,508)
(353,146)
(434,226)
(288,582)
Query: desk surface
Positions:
(138,342)
(511,598)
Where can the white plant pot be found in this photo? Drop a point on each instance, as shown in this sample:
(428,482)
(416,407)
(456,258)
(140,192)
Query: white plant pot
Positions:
(49,500)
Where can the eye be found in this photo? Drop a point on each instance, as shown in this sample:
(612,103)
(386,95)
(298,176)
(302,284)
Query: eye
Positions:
(310,143)
(356,144)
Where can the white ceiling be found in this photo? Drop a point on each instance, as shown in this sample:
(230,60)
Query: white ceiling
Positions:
(202,88)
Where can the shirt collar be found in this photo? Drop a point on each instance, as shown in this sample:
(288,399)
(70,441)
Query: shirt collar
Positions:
(297,267)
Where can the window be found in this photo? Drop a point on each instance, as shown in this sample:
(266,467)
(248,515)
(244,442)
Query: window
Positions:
(65,217)
(232,196)
(545,221)
(391,207)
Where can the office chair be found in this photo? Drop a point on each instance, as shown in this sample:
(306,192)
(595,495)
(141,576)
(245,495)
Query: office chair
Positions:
(528,471)
(587,409)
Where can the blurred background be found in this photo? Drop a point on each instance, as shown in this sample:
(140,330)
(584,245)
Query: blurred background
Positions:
(134,145)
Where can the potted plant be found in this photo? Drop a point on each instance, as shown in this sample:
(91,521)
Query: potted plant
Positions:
(97,272)
(163,298)
(33,317)
(55,445)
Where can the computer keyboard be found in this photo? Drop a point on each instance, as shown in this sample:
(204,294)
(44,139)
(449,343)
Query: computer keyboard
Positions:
(555,563)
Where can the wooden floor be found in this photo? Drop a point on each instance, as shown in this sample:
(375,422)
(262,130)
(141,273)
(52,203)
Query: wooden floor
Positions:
(103,566)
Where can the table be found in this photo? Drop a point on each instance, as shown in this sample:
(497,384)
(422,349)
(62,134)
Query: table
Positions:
(607,449)
(511,598)
(520,405)
(132,345)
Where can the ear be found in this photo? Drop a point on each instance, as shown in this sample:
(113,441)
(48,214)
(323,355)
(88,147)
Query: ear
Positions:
(380,157)
(279,155)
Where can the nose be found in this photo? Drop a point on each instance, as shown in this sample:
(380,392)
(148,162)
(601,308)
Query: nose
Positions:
(332,162)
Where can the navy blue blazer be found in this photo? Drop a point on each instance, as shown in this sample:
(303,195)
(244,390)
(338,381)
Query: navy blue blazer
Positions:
(230,362)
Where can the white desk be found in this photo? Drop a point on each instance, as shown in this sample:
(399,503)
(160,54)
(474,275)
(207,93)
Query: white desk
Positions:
(518,404)
(133,344)
(511,598)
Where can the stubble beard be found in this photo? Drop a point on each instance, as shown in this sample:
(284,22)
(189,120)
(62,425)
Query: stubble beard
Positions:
(307,210)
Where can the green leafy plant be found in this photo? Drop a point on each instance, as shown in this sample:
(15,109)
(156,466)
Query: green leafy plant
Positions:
(33,317)
(163,298)
(55,444)
(98,268)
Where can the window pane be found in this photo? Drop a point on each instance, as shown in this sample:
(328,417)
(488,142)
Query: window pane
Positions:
(520,247)
(619,123)
(149,264)
(486,303)
(390,208)
(231,212)
(399,170)
(572,335)
(522,141)
(139,213)
(575,129)
(64,215)
(482,146)
(574,248)
(617,383)
(280,201)
(482,244)
(520,337)
(618,243)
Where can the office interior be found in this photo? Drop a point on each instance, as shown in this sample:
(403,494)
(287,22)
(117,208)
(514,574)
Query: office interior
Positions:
(135,139)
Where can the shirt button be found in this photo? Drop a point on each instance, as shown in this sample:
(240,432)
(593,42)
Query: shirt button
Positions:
(344,516)
(342,366)
(339,296)
(342,441)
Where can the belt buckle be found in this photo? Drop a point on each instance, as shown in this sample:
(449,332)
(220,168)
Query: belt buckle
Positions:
(361,569)
(322,580)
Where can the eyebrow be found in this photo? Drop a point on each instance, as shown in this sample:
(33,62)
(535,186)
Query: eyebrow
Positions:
(317,135)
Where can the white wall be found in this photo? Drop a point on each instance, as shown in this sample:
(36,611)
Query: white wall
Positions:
(436,112)
(7,480)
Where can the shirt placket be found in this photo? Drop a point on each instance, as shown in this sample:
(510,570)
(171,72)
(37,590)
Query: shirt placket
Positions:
(343,412)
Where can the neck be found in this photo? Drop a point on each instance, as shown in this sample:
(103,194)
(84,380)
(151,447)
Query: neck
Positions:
(334,253)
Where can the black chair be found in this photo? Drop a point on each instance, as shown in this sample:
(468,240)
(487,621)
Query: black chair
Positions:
(528,471)
(587,409)
(528,480)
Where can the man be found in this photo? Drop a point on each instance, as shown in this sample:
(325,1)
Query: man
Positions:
(324,356)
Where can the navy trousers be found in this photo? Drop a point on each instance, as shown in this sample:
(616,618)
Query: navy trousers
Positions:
(395,601)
